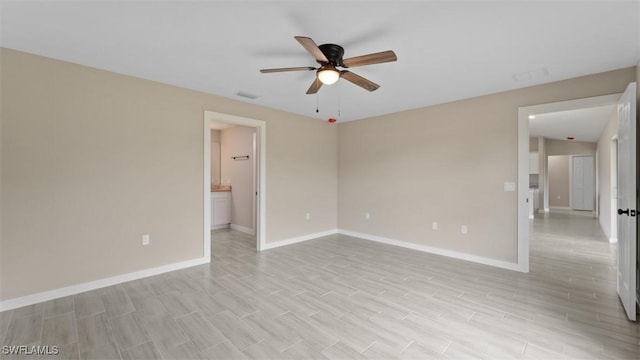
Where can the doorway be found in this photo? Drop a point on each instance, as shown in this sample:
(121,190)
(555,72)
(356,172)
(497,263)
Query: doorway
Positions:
(257,159)
(524,114)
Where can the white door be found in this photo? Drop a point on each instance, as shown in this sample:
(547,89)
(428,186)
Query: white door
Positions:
(627,225)
(582,186)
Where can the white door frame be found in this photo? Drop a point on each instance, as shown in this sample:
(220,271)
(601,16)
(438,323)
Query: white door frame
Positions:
(261,156)
(613,184)
(523,162)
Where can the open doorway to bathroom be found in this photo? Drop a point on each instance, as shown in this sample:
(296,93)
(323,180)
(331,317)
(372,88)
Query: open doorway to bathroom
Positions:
(234,181)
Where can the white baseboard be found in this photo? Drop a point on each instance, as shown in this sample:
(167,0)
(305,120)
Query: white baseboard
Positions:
(92,285)
(118,279)
(434,250)
(218,227)
(243,229)
(298,239)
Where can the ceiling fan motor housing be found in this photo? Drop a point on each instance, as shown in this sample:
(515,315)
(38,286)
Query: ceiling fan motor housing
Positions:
(333,53)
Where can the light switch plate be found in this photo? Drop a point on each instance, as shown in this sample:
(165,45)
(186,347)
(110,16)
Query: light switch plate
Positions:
(509,186)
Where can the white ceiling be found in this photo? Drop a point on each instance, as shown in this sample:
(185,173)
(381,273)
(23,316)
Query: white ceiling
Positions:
(446,50)
(583,124)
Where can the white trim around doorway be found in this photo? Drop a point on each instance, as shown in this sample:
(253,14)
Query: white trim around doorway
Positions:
(523,162)
(260,126)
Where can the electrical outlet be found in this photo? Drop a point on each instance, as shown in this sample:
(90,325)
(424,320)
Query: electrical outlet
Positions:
(146,240)
(463,229)
(367,216)
(308,216)
(509,186)
(434,226)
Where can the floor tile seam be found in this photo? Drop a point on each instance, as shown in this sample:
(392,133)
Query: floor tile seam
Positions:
(119,350)
(367,348)
(146,339)
(247,328)
(538,329)
(74,324)
(531,344)
(503,330)
(489,307)
(188,339)
(90,315)
(601,351)
(75,321)
(578,337)
(606,337)
(629,324)
(41,326)
(323,331)
(538,339)
(287,348)
(6,331)
(218,344)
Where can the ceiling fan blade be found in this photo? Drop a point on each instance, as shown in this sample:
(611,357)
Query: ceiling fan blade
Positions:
(359,80)
(312,48)
(375,58)
(315,86)
(300,68)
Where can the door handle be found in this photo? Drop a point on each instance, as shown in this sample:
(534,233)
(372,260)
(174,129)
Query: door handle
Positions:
(620,212)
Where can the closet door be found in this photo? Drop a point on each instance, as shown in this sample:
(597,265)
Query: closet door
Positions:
(582,187)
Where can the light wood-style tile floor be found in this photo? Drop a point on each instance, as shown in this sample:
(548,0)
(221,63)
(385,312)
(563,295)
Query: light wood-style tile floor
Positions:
(345,298)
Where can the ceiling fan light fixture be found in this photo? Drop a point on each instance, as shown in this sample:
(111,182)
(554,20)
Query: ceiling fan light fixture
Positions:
(328,74)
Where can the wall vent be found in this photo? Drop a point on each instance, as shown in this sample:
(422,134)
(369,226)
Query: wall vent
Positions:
(531,75)
(247,95)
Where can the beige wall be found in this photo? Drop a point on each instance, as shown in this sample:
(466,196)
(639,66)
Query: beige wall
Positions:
(533,144)
(91,160)
(558,167)
(447,163)
(606,179)
(563,147)
(238,141)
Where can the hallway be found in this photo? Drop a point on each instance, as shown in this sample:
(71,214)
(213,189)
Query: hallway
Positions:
(571,254)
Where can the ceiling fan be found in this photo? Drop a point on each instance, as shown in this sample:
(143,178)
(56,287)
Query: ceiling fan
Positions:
(329,56)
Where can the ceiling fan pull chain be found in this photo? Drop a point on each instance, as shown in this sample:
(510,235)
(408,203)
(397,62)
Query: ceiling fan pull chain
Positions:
(339,98)
(317,101)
